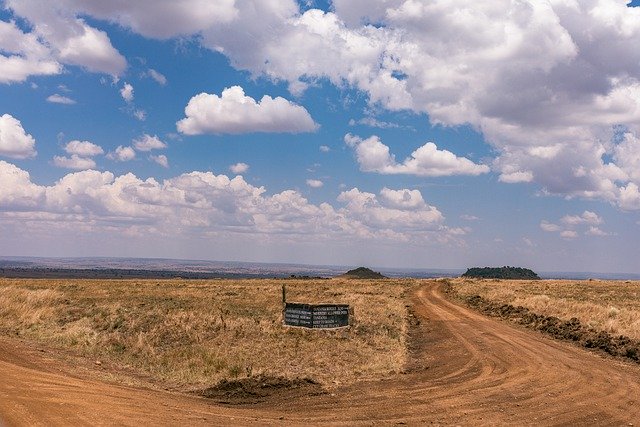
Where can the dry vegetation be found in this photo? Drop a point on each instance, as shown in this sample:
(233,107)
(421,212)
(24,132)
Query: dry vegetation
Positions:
(610,306)
(189,334)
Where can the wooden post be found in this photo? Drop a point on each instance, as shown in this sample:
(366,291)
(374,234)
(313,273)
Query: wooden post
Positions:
(284,304)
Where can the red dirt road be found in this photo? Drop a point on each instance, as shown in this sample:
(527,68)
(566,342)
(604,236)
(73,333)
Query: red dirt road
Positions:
(466,369)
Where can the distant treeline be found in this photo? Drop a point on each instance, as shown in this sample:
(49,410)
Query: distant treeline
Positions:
(116,273)
(501,273)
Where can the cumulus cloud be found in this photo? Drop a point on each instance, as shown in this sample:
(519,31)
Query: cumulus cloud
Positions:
(515,177)
(315,183)
(14,141)
(160,159)
(325,148)
(404,210)
(83,148)
(587,217)
(127,92)
(547,226)
(161,19)
(239,168)
(233,112)
(373,156)
(568,234)
(74,162)
(17,191)
(23,55)
(570,224)
(147,143)
(60,99)
(122,154)
(69,38)
(204,202)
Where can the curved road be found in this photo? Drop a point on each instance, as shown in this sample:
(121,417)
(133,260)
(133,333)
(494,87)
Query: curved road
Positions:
(465,369)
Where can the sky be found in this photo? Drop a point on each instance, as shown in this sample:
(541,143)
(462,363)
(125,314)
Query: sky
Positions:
(390,133)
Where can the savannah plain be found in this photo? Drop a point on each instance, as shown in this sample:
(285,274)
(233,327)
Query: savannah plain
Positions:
(211,352)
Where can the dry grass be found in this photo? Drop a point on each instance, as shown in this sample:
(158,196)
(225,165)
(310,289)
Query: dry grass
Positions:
(194,333)
(611,306)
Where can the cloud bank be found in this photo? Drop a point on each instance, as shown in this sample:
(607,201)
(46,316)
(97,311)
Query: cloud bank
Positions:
(202,202)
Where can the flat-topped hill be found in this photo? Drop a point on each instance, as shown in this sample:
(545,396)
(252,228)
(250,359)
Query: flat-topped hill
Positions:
(501,273)
(362,273)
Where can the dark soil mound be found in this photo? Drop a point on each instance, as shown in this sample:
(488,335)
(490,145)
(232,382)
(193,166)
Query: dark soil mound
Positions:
(570,330)
(253,390)
(501,273)
(362,273)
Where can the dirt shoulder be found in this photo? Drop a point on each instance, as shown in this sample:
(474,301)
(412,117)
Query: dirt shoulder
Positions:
(571,329)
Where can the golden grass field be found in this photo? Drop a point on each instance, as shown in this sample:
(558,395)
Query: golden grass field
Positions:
(187,334)
(610,306)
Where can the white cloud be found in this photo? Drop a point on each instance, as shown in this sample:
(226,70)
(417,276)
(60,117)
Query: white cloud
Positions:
(127,92)
(140,115)
(83,148)
(87,47)
(74,162)
(315,183)
(367,208)
(207,203)
(572,222)
(627,156)
(325,148)
(23,55)
(629,197)
(547,226)
(568,234)
(157,76)
(587,217)
(595,231)
(516,177)
(17,191)
(373,156)
(60,99)
(235,113)
(122,154)
(467,217)
(14,141)
(373,122)
(147,143)
(160,159)
(239,168)
(402,199)
(70,39)
(161,19)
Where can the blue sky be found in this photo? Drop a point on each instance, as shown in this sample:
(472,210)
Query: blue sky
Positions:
(442,136)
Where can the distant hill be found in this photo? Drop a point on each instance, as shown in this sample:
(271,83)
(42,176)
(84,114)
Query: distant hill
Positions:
(501,273)
(362,273)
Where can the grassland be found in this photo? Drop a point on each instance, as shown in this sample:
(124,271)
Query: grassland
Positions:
(609,306)
(188,334)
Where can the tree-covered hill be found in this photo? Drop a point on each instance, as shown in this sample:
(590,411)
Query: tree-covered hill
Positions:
(501,273)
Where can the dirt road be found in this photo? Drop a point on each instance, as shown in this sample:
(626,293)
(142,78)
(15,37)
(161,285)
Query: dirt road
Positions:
(466,369)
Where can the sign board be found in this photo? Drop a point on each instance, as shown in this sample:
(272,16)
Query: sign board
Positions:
(316,316)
